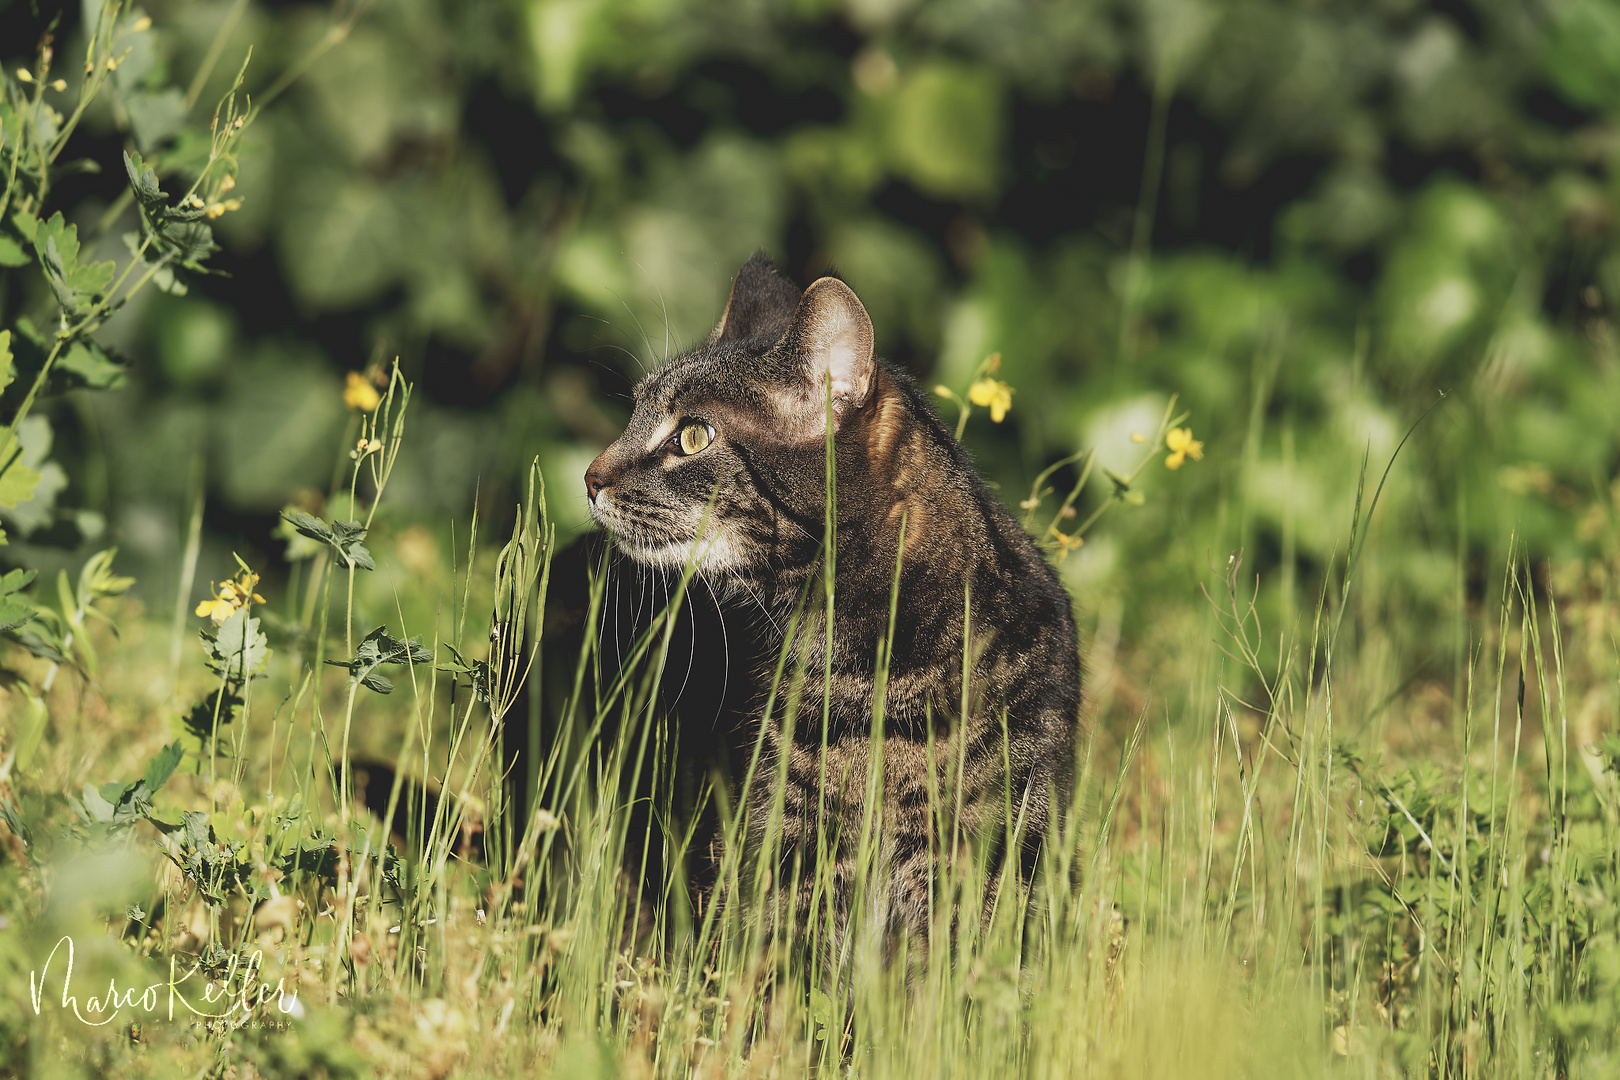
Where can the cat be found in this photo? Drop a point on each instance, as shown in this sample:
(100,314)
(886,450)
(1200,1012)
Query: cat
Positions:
(723,468)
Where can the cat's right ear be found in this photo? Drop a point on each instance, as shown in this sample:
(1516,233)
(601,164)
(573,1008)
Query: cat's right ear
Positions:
(830,343)
(762,303)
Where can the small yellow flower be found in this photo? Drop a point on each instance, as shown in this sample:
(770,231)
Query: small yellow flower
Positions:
(360,394)
(1138,437)
(365,446)
(994,395)
(59,85)
(1065,542)
(23,76)
(943,391)
(228,596)
(1182,446)
(215,210)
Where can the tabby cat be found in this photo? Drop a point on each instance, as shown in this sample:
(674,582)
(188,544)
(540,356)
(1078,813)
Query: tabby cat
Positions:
(723,467)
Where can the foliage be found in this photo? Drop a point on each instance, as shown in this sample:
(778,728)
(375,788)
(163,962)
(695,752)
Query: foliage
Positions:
(1361,806)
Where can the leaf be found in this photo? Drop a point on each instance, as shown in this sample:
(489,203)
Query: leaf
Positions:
(237,649)
(38,508)
(821,1012)
(201,719)
(376,649)
(40,640)
(161,767)
(163,277)
(945,131)
(17,481)
(14,611)
(6,373)
(96,808)
(143,182)
(319,856)
(477,672)
(300,545)
(343,536)
(77,288)
(12,253)
(154,117)
(91,367)
(214,869)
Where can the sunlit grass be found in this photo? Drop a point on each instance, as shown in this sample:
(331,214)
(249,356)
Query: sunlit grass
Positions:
(1286,855)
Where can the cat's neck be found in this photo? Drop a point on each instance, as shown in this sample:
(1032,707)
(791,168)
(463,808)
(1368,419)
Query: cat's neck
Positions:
(906,498)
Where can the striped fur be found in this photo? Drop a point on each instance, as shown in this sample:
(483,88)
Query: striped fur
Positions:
(748,510)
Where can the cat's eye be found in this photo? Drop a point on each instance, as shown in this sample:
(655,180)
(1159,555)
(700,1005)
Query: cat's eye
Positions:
(693,438)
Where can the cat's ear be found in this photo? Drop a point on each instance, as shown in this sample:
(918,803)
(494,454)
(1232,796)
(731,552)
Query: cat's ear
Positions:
(831,337)
(761,304)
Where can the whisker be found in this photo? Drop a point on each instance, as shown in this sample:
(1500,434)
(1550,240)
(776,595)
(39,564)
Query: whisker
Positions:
(645,340)
(725,649)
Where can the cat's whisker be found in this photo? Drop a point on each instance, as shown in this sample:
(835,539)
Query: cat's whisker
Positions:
(645,340)
(725,646)
(615,371)
(749,589)
(663,309)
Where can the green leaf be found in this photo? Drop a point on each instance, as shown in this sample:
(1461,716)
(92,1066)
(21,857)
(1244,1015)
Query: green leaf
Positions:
(343,536)
(91,367)
(37,508)
(14,611)
(237,649)
(376,649)
(163,277)
(821,1012)
(96,808)
(945,133)
(17,480)
(161,767)
(477,672)
(143,182)
(12,253)
(77,288)
(27,224)
(6,374)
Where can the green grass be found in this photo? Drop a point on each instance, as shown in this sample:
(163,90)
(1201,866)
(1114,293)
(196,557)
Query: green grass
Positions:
(1295,849)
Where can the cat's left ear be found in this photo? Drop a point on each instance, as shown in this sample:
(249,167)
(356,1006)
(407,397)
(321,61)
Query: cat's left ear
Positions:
(761,304)
(832,338)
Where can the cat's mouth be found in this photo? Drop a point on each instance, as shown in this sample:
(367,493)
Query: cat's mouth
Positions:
(705,545)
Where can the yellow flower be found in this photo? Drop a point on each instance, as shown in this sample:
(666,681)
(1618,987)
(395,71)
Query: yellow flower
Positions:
(229,596)
(1065,542)
(994,395)
(360,394)
(1182,446)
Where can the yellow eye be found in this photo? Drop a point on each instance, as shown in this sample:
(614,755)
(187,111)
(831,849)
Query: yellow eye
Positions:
(695,437)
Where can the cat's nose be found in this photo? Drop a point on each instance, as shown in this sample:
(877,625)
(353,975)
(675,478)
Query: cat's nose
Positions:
(597,477)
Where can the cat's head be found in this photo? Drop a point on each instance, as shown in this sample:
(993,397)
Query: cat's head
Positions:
(723,453)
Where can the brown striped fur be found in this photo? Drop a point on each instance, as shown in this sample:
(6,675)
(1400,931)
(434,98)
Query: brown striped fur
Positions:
(748,511)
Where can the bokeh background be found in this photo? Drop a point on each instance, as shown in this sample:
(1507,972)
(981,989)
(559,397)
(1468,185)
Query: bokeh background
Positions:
(1308,218)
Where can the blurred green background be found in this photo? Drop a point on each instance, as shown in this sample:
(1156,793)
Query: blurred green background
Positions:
(1307,218)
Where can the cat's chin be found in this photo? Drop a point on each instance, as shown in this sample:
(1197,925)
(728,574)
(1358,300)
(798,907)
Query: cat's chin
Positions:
(709,555)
